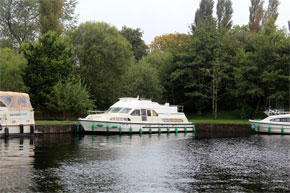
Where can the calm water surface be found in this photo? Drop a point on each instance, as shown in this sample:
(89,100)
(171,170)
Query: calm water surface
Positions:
(165,163)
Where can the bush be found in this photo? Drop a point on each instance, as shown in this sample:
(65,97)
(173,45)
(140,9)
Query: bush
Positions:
(70,96)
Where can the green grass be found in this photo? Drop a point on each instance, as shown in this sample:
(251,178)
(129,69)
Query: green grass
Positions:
(53,122)
(230,117)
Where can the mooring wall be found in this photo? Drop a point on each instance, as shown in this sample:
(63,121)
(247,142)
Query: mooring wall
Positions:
(203,128)
(221,129)
(56,128)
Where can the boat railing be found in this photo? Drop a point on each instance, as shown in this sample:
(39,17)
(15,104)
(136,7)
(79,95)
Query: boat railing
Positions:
(270,112)
(180,108)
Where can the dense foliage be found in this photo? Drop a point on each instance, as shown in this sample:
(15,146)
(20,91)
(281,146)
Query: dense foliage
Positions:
(134,37)
(12,67)
(142,80)
(69,96)
(104,56)
(50,60)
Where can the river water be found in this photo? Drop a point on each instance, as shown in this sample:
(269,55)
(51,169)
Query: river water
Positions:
(165,163)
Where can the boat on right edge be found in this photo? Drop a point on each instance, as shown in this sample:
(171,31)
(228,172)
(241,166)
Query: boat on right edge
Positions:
(276,124)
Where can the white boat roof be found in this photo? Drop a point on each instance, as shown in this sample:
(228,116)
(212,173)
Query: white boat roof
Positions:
(278,116)
(137,103)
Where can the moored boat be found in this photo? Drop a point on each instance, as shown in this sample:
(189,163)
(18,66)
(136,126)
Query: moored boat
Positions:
(276,124)
(16,114)
(134,115)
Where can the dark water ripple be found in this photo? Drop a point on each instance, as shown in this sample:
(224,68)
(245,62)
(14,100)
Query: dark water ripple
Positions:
(166,163)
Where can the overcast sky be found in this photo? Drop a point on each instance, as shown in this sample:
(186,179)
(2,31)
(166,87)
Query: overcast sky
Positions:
(157,17)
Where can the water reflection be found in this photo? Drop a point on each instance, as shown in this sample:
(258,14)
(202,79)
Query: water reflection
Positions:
(16,164)
(149,163)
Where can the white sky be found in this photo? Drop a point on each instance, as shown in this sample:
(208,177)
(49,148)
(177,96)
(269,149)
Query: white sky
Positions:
(157,17)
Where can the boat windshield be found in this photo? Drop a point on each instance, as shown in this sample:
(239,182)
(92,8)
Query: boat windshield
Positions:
(107,111)
(8,101)
(125,110)
(136,112)
(115,110)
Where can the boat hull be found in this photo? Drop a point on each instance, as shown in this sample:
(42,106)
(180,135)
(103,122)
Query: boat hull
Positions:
(273,128)
(111,127)
(16,130)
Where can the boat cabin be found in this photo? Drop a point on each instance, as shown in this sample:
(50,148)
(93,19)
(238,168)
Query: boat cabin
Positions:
(141,110)
(16,113)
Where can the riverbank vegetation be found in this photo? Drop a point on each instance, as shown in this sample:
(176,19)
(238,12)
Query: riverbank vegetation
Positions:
(216,67)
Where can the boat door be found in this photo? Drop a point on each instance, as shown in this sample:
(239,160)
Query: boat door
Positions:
(149,117)
(143,115)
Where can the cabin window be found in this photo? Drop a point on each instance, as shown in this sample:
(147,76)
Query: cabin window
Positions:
(284,119)
(281,120)
(143,112)
(125,110)
(172,120)
(120,119)
(8,101)
(154,113)
(115,110)
(275,120)
(149,113)
(23,102)
(136,112)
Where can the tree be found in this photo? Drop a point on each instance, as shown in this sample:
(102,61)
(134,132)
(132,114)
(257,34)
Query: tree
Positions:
(224,14)
(168,42)
(12,66)
(198,67)
(259,71)
(272,11)
(18,21)
(50,60)
(273,54)
(256,15)
(68,18)
(142,80)
(205,10)
(259,17)
(103,56)
(246,91)
(50,13)
(70,96)
(134,36)
(163,64)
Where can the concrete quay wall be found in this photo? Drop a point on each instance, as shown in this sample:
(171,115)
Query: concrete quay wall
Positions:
(225,128)
(56,128)
(204,128)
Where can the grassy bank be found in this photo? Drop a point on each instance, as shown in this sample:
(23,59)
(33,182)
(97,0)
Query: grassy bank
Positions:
(53,122)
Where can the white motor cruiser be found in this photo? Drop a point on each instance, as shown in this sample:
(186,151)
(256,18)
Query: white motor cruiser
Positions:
(16,114)
(134,115)
(278,124)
